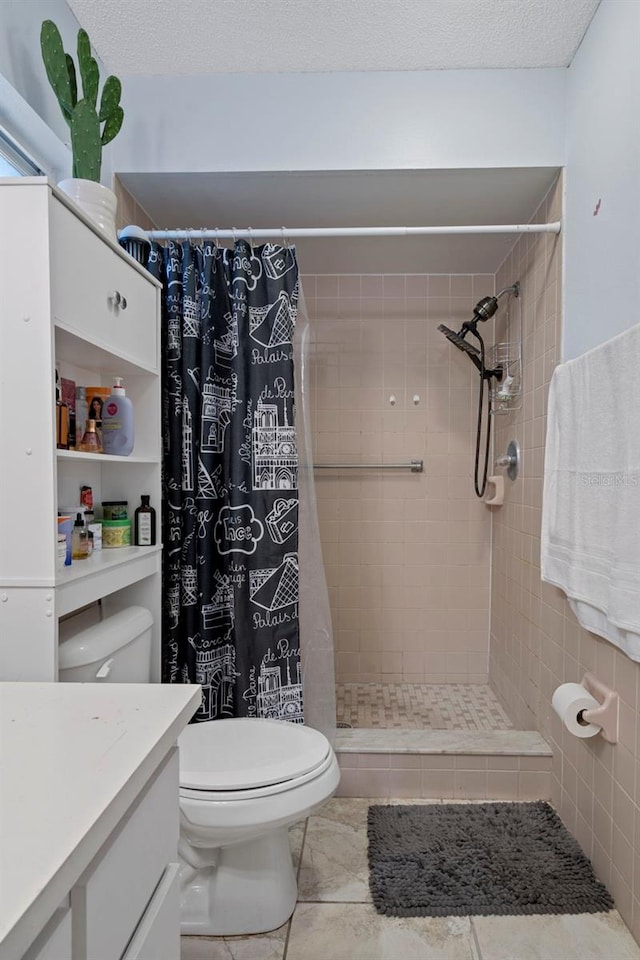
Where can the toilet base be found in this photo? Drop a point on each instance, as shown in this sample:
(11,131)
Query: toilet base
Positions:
(250,888)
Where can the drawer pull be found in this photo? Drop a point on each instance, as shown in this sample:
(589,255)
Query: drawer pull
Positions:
(118,300)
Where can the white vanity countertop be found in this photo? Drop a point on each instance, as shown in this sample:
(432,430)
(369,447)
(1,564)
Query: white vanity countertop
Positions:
(73,757)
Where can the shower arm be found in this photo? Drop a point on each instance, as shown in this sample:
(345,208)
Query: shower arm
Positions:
(514,289)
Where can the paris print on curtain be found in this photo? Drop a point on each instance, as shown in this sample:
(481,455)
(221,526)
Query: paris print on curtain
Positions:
(230,511)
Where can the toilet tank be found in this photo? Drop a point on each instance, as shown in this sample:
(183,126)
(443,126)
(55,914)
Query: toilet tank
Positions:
(116,649)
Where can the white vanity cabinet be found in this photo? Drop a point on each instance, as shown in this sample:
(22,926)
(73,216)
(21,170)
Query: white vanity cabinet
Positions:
(54,942)
(112,898)
(89,820)
(72,299)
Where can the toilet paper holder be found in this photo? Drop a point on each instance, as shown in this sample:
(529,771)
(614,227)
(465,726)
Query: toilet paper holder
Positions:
(606,715)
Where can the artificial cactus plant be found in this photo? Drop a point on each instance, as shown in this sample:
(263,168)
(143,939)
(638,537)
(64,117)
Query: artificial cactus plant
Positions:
(83,117)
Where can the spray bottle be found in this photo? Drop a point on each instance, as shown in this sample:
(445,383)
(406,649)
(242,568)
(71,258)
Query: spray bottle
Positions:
(117,422)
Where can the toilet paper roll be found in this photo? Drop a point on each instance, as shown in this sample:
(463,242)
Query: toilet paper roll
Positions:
(568,701)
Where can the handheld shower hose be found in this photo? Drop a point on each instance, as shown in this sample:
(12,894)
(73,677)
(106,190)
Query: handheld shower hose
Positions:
(483,310)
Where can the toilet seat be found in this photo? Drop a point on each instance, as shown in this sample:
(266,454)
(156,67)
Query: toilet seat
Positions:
(249,757)
(255,793)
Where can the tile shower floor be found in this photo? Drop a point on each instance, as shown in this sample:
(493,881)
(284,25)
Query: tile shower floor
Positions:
(334,918)
(420,706)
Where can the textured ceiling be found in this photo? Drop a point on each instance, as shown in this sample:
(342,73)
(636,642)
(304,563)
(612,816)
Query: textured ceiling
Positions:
(174,37)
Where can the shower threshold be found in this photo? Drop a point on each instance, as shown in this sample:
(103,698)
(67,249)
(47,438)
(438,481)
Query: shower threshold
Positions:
(443,743)
(435,741)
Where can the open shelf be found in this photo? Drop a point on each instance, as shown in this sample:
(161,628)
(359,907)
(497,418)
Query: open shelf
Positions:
(103,573)
(101,457)
(97,355)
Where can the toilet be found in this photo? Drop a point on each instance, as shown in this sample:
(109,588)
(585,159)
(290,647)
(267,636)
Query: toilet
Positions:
(116,649)
(243,783)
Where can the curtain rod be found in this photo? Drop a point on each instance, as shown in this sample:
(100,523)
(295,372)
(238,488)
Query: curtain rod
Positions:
(290,233)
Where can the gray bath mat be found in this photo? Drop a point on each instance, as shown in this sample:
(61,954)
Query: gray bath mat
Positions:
(438,860)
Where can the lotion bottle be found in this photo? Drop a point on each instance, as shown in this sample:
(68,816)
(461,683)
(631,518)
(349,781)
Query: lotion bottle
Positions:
(117,422)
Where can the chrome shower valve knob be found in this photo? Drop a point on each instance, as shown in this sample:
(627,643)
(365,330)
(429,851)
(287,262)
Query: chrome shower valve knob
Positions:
(510,459)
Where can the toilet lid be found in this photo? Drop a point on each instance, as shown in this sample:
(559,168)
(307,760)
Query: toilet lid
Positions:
(246,752)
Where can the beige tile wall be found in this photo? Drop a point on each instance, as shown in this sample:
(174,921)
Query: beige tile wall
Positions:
(536,642)
(129,210)
(406,555)
(444,776)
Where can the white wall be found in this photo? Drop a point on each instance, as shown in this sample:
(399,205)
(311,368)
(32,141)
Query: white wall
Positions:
(602,252)
(20,59)
(28,106)
(386,120)
(344,121)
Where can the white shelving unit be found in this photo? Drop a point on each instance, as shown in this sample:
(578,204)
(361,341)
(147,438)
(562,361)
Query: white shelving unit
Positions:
(57,276)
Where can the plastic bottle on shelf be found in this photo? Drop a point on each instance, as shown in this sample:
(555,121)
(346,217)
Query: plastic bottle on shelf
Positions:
(145,523)
(117,422)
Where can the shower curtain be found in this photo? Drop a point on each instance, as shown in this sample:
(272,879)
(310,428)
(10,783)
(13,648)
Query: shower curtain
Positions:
(231,499)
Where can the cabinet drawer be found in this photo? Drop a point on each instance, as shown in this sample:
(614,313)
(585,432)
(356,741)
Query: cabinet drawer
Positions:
(113,895)
(85,272)
(158,933)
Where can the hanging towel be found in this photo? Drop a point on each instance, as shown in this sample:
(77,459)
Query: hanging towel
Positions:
(591,500)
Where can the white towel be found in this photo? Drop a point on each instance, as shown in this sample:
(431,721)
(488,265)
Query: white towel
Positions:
(591,501)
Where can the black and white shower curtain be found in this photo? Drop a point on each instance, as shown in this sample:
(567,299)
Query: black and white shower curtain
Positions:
(230,477)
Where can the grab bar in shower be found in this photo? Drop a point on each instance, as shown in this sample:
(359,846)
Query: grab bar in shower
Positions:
(416,466)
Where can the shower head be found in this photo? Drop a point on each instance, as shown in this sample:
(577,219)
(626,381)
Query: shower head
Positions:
(483,310)
(457,339)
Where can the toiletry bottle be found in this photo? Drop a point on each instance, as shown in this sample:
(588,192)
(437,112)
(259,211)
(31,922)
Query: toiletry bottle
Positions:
(86,500)
(79,540)
(117,422)
(145,523)
(82,414)
(62,426)
(90,441)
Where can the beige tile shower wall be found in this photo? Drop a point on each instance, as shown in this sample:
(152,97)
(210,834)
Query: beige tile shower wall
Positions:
(407,555)
(129,210)
(536,642)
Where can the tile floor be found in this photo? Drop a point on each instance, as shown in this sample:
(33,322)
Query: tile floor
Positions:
(418,706)
(335,920)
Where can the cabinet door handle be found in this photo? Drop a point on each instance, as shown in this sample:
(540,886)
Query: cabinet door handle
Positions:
(118,300)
